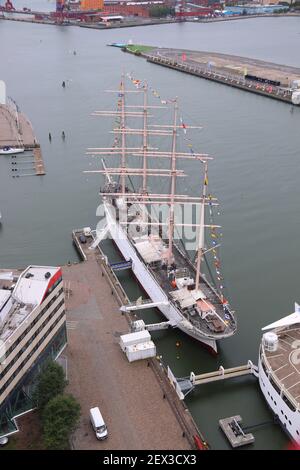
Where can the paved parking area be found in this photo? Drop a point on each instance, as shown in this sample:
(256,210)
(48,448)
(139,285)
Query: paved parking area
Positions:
(129,395)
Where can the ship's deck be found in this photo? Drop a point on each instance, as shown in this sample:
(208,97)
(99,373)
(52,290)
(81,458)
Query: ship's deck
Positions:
(220,321)
(165,282)
(285,362)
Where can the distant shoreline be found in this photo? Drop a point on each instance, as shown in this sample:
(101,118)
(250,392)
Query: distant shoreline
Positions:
(148,22)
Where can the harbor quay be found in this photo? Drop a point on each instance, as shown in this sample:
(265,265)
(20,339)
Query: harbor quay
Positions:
(280,82)
(72,315)
(140,407)
(127,22)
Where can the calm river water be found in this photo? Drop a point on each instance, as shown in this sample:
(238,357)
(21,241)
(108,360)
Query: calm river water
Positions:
(256,174)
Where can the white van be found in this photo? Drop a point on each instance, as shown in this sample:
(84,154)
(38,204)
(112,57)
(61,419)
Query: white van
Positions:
(98,423)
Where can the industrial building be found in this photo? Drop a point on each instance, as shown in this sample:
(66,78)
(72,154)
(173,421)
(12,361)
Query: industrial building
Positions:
(32,330)
(91,4)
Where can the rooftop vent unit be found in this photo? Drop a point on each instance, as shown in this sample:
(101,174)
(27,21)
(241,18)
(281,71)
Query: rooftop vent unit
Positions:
(29,275)
(47,275)
(270,341)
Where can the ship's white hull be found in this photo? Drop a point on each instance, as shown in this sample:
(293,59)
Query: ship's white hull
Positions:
(289,419)
(151,286)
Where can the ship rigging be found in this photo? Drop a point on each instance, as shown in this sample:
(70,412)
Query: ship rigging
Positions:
(164,269)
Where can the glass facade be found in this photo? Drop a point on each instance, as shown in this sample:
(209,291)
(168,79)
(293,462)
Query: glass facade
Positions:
(19,401)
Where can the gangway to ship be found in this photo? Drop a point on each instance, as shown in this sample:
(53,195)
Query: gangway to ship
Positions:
(141,305)
(223,374)
(163,325)
(184,385)
(121,265)
(139,325)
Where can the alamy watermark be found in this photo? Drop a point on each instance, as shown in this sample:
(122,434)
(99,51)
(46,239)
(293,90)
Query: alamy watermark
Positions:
(153,220)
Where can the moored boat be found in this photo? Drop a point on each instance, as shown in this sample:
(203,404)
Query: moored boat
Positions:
(11,150)
(279,371)
(146,235)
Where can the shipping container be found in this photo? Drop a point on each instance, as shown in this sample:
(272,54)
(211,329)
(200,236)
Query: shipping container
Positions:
(134,338)
(139,351)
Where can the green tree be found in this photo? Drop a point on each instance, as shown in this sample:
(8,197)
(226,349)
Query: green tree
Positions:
(59,419)
(50,382)
(295,5)
(161,11)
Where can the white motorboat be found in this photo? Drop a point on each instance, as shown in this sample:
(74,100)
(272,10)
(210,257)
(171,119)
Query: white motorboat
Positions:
(11,150)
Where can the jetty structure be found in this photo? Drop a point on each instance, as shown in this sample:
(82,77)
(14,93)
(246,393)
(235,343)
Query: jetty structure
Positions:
(180,283)
(17,137)
(280,82)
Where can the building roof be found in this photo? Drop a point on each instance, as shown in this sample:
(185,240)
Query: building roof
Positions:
(32,284)
(151,250)
(111,17)
(4,296)
(20,293)
(186,297)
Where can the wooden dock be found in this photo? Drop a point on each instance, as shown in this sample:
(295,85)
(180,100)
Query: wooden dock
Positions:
(38,161)
(16,131)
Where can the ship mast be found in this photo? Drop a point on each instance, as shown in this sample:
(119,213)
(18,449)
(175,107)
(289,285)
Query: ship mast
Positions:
(145,138)
(173,183)
(144,152)
(201,234)
(123,123)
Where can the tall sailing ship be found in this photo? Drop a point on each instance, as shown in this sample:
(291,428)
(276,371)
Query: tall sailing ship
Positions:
(176,282)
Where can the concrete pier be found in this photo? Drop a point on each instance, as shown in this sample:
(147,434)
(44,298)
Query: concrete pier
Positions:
(234,433)
(228,70)
(16,131)
(137,400)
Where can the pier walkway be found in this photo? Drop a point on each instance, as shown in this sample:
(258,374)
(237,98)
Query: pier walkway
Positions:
(140,407)
(229,70)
